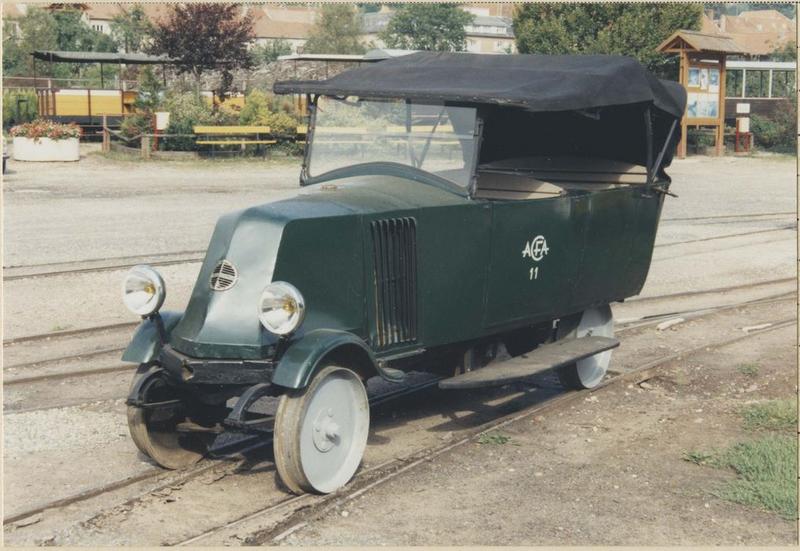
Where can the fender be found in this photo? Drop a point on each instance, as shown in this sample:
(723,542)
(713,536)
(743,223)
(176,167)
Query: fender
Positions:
(146,342)
(302,358)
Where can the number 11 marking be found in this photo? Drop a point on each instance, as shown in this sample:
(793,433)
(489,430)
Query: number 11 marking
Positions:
(535,273)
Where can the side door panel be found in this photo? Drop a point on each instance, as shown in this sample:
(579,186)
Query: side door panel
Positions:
(536,252)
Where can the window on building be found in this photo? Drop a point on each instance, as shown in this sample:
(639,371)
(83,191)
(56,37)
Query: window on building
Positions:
(733,83)
(782,84)
(757,83)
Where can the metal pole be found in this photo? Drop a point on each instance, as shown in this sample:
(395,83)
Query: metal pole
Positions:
(102,78)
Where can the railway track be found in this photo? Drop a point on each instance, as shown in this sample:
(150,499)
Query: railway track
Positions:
(385,471)
(299,510)
(50,269)
(631,324)
(34,271)
(731,216)
(241,448)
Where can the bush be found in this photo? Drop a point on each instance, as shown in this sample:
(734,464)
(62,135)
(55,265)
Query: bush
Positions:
(42,128)
(778,133)
(185,111)
(133,125)
(256,109)
(22,112)
(260,109)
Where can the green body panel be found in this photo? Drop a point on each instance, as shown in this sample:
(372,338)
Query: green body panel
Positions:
(299,362)
(598,249)
(146,343)
(473,278)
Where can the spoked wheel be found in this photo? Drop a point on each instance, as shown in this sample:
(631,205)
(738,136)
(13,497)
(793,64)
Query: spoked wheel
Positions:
(321,432)
(155,428)
(589,372)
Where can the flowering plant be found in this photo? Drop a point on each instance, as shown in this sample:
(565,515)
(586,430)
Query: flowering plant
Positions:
(42,128)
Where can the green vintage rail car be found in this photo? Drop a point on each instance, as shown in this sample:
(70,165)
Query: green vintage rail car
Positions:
(470,215)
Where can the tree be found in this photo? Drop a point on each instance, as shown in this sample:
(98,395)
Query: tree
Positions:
(205,37)
(42,30)
(269,52)
(131,29)
(627,29)
(437,27)
(787,52)
(336,31)
(74,35)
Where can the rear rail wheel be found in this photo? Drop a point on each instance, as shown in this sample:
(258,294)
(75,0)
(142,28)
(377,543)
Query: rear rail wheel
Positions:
(321,432)
(158,425)
(589,372)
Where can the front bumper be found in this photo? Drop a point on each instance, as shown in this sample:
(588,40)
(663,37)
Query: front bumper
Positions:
(189,370)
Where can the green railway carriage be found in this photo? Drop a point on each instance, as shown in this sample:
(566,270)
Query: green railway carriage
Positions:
(470,215)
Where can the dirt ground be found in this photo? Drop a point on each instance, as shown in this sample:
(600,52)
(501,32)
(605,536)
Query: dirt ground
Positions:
(609,471)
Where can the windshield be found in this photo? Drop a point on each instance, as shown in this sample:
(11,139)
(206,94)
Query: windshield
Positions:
(439,139)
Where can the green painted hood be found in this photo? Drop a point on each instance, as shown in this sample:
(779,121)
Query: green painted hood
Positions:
(313,241)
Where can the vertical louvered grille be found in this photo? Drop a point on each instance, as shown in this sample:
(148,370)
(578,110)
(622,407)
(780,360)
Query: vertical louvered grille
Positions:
(395,250)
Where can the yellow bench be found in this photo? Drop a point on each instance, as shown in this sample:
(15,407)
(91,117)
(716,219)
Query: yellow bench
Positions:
(232,135)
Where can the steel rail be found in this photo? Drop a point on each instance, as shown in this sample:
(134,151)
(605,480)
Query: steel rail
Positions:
(721,216)
(98,269)
(726,236)
(104,259)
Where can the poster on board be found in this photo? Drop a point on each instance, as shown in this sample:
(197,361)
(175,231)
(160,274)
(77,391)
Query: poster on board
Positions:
(694,77)
(713,81)
(704,79)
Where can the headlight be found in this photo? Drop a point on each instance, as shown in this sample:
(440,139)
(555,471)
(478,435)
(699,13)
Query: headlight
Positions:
(281,308)
(143,290)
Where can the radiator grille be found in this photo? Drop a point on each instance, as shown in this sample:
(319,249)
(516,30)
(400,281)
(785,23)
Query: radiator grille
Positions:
(395,250)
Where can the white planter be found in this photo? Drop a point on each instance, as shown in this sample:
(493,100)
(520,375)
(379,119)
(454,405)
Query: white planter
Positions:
(46,149)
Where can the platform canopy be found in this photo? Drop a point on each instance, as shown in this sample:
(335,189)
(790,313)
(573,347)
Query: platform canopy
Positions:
(694,41)
(100,57)
(534,82)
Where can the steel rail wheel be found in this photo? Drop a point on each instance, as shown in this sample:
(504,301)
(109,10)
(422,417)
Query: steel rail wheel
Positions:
(321,432)
(155,429)
(589,372)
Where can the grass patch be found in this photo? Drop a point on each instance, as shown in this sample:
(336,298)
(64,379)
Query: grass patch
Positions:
(767,474)
(748,369)
(766,468)
(495,438)
(771,415)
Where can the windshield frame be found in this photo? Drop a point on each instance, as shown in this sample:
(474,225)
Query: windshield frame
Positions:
(306,179)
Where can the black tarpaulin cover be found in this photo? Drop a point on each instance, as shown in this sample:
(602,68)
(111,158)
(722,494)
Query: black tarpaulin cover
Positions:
(535,82)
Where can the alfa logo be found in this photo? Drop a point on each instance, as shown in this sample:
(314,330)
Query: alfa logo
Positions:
(536,249)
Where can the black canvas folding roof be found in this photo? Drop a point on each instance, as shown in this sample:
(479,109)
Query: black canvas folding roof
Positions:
(535,82)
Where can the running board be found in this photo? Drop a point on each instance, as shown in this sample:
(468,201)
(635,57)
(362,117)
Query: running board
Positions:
(547,356)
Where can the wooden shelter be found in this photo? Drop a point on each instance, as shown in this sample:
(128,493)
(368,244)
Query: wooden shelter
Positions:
(702,73)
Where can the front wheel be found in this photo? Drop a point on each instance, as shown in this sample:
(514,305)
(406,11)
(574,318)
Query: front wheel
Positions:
(156,427)
(321,432)
(589,372)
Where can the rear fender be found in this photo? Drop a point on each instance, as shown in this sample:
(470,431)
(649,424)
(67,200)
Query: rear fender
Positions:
(146,342)
(301,360)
